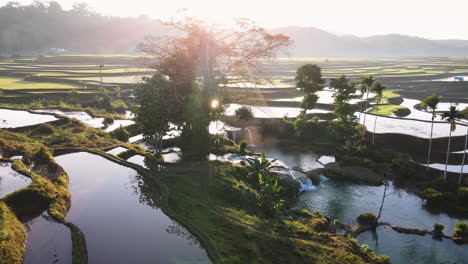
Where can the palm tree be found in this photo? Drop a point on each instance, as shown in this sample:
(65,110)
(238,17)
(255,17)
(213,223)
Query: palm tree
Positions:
(465,115)
(378,88)
(451,117)
(463,160)
(431,102)
(362,89)
(367,81)
(100,66)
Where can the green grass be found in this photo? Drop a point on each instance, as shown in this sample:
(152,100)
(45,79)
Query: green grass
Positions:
(12,237)
(209,197)
(390,94)
(13,83)
(385,109)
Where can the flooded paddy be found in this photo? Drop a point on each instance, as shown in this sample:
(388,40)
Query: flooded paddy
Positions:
(48,241)
(117,210)
(11,180)
(20,118)
(87,119)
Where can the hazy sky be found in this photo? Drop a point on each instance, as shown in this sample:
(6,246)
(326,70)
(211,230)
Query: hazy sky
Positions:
(434,19)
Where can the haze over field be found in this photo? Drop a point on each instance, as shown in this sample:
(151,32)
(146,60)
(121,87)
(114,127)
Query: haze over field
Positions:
(319,29)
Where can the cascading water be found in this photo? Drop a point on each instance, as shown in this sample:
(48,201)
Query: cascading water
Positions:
(306,185)
(250,138)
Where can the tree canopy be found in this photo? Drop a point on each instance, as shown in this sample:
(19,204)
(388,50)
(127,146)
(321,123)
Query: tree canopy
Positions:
(309,78)
(198,60)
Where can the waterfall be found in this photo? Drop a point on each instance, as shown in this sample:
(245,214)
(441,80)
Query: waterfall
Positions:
(250,139)
(306,185)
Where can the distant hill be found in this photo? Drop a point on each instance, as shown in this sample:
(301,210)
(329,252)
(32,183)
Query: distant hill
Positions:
(313,42)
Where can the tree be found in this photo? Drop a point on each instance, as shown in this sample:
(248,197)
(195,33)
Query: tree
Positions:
(367,82)
(244,113)
(74,96)
(450,117)
(309,78)
(309,102)
(431,103)
(100,66)
(465,116)
(121,134)
(377,88)
(154,109)
(346,126)
(204,57)
(386,183)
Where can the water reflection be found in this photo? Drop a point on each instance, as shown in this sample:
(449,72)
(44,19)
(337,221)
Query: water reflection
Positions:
(20,118)
(48,241)
(403,248)
(10,180)
(118,212)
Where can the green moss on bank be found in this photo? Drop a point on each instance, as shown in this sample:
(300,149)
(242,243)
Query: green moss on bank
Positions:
(48,190)
(12,237)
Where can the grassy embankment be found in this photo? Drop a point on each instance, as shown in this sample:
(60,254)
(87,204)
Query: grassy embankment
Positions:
(48,189)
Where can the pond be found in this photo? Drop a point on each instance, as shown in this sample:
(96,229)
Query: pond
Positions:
(117,210)
(345,201)
(19,118)
(11,180)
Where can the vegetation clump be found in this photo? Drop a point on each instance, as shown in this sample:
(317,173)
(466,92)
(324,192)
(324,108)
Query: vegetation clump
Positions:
(367,219)
(121,134)
(12,237)
(438,229)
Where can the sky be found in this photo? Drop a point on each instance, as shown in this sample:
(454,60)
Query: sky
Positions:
(434,19)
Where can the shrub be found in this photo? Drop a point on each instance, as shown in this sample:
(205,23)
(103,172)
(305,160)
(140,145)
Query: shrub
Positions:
(299,125)
(461,229)
(121,134)
(119,106)
(439,227)
(243,146)
(288,128)
(45,128)
(244,113)
(108,121)
(462,196)
(433,196)
(367,219)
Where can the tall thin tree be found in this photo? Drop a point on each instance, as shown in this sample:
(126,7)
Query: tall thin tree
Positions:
(367,81)
(431,103)
(450,117)
(378,89)
(463,159)
(465,116)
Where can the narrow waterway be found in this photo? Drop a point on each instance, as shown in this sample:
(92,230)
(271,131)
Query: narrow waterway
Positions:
(117,210)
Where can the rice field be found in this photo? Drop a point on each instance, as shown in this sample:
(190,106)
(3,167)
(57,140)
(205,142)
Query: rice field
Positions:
(14,83)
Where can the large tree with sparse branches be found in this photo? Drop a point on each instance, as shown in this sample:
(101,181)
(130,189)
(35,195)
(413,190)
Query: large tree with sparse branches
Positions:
(201,57)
